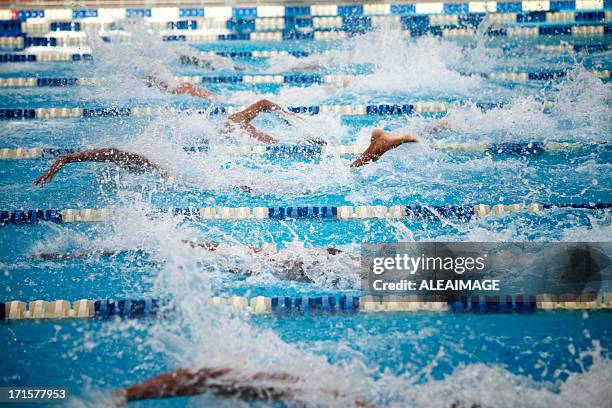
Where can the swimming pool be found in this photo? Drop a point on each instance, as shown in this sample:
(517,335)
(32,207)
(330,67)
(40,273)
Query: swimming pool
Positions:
(501,150)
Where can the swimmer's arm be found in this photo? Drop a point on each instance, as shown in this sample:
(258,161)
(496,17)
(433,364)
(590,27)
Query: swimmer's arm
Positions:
(211,246)
(442,124)
(127,160)
(172,384)
(71,255)
(186,88)
(182,383)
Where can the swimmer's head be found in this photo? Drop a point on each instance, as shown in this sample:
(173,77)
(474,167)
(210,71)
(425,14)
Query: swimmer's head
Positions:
(153,82)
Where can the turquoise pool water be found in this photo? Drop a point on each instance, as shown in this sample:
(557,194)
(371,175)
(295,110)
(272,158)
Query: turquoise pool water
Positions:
(433,359)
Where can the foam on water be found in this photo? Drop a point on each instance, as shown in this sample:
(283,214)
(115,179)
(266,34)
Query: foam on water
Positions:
(204,336)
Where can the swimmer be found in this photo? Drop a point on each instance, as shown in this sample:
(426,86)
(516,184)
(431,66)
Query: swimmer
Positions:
(380,143)
(211,63)
(138,163)
(292,266)
(183,88)
(222,382)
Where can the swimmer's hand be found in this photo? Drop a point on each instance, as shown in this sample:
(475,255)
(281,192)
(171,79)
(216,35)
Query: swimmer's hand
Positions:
(287,116)
(442,124)
(119,398)
(130,161)
(49,174)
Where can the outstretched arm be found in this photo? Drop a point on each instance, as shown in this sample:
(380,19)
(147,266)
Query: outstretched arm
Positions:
(127,160)
(216,381)
(187,383)
(64,256)
(244,118)
(186,88)
(380,143)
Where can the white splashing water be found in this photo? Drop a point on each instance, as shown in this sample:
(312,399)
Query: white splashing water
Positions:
(205,336)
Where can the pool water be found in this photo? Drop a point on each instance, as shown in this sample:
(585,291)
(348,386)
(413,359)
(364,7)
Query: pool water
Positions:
(431,359)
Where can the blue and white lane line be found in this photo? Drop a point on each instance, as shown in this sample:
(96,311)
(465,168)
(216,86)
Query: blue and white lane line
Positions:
(26,56)
(318,305)
(286,78)
(308,151)
(353,110)
(460,213)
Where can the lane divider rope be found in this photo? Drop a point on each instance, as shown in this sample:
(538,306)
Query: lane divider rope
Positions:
(280,305)
(293,79)
(353,110)
(313,151)
(504,29)
(337,30)
(272,12)
(463,213)
(25,56)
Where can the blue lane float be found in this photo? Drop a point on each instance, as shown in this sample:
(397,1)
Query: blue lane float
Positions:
(459,213)
(105,309)
(339,304)
(296,79)
(314,151)
(23,58)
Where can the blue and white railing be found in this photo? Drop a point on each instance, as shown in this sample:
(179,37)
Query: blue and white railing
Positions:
(286,79)
(353,110)
(64,57)
(317,305)
(534,148)
(462,213)
(580,17)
